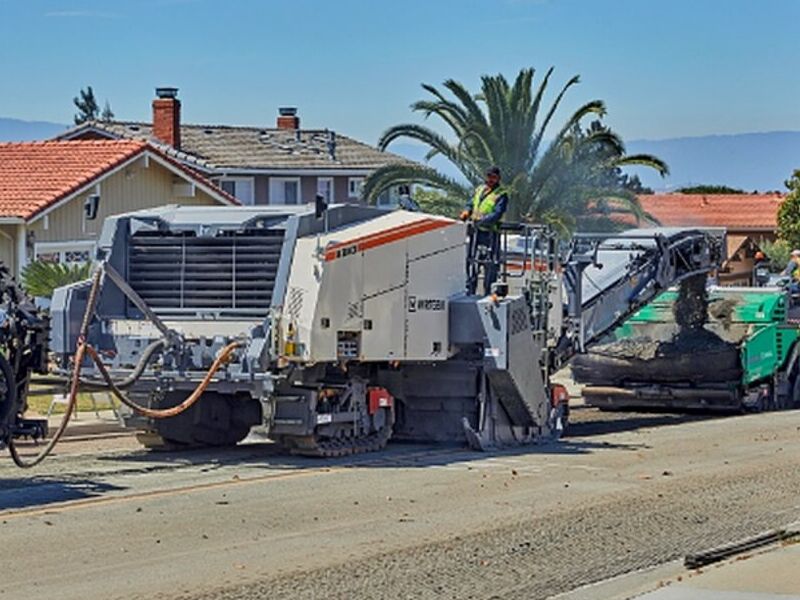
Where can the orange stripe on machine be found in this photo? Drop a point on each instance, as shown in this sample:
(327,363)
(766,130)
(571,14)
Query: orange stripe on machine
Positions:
(387,236)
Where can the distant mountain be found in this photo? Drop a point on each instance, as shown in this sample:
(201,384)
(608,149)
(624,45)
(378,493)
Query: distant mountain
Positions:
(16,130)
(750,161)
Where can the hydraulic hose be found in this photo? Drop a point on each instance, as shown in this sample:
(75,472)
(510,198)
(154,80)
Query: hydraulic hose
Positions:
(83,348)
(164,413)
(74,383)
(124,383)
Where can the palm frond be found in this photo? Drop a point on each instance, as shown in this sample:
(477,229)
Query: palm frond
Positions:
(40,278)
(471,105)
(391,175)
(643,160)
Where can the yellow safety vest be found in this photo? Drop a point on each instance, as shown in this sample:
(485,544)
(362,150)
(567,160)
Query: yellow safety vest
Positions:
(482,207)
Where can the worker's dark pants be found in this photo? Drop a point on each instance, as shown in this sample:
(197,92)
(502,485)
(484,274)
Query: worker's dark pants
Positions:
(483,252)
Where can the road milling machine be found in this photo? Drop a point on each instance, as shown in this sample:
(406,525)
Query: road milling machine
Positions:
(335,331)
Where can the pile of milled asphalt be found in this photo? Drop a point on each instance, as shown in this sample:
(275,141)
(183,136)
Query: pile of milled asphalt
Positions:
(694,354)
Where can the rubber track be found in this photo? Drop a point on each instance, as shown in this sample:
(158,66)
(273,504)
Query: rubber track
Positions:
(313,445)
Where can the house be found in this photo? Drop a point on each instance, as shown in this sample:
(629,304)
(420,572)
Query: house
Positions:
(284,164)
(750,219)
(55,195)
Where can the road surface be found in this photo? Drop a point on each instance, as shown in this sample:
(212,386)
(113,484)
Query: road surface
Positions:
(623,492)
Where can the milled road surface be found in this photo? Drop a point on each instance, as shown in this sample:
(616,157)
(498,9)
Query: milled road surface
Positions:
(624,492)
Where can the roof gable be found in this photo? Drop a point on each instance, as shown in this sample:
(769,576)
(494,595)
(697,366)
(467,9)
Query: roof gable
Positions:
(35,176)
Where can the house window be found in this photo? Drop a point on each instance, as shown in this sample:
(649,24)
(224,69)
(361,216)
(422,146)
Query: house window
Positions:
(76,256)
(48,257)
(325,188)
(241,188)
(75,252)
(284,190)
(355,185)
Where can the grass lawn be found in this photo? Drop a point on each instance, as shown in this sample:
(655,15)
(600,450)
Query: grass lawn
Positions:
(40,404)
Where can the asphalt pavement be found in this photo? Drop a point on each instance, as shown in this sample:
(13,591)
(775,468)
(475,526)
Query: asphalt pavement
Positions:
(623,494)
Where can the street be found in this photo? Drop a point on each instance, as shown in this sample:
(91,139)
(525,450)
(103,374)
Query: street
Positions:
(625,491)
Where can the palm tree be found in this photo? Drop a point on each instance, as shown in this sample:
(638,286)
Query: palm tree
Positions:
(505,125)
(40,278)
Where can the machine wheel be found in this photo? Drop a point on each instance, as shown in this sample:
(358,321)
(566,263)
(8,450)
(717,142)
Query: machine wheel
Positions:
(794,397)
(215,420)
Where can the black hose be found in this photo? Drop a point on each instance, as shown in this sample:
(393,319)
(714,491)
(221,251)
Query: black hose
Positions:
(124,383)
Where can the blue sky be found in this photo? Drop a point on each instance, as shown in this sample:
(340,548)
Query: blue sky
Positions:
(665,69)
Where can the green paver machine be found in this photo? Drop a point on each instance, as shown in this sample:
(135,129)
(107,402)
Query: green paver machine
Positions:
(745,357)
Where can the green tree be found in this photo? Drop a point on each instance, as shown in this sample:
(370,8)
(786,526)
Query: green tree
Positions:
(107,114)
(41,278)
(506,125)
(709,189)
(778,253)
(437,202)
(88,109)
(633,183)
(87,106)
(789,212)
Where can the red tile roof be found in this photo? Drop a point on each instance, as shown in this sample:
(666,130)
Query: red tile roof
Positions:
(34,175)
(739,212)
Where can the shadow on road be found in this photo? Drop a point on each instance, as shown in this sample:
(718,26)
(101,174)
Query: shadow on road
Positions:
(587,422)
(259,457)
(29,492)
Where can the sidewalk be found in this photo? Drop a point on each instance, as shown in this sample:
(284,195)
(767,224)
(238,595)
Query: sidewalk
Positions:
(772,574)
(87,424)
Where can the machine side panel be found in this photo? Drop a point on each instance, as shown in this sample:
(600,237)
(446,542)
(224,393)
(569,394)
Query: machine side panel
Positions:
(432,280)
(67,308)
(511,358)
(300,303)
(385,268)
(449,234)
(382,338)
(340,305)
(368,285)
(285,262)
(465,323)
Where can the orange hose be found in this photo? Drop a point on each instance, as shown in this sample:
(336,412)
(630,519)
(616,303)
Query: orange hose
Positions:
(164,413)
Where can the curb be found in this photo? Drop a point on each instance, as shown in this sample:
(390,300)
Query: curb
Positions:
(636,583)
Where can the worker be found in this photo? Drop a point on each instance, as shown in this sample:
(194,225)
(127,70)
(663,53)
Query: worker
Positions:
(792,271)
(760,269)
(485,210)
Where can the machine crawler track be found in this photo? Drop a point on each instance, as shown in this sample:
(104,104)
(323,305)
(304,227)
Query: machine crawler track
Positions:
(320,447)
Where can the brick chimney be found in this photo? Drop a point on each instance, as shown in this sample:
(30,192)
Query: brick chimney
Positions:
(167,116)
(287,118)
